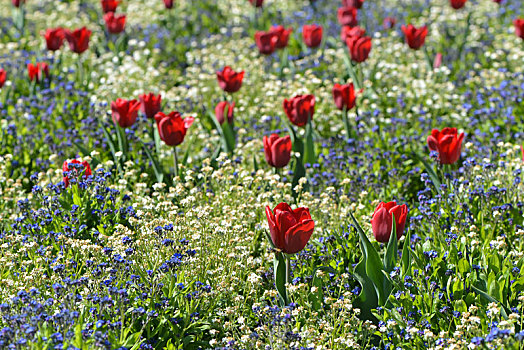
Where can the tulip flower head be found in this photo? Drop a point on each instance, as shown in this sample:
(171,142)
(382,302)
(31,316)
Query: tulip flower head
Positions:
(17,3)
(78,39)
(347,16)
(347,32)
(437,62)
(519,27)
(359,48)
(169,4)
(150,104)
(54,38)
(74,169)
(3,76)
(300,109)
(447,143)
(282,35)
(457,4)
(389,22)
(266,42)
(115,24)
(353,3)
(415,37)
(312,35)
(257,3)
(277,150)
(124,112)
(220,112)
(344,96)
(229,80)
(290,229)
(109,5)
(37,72)
(172,128)
(382,220)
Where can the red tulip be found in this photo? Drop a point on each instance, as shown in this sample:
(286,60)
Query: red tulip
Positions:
(359,48)
(150,104)
(344,96)
(17,3)
(277,150)
(75,168)
(457,4)
(347,16)
(389,22)
(169,4)
(229,80)
(498,1)
(347,32)
(172,128)
(3,76)
(282,34)
(447,143)
(220,110)
(78,39)
(109,5)
(300,109)
(257,3)
(522,152)
(115,24)
(290,229)
(382,220)
(415,38)
(353,3)
(266,42)
(438,61)
(38,72)
(519,27)
(312,35)
(54,38)
(124,112)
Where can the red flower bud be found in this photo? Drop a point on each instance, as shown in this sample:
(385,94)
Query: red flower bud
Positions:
(169,4)
(150,104)
(290,229)
(220,110)
(115,24)
(389,22)
(382,220)
(109,5)
(347,32)
(78,39)
(266,42)
(277,150)
(124,112)
(300,109)
(172,128)
(3,76)
(229,80)
(282,35)
(344,96)
(359,48)
(257,3)
(347,16)
(353,3)
(415,37)
(54,38)
(447,143)
(75,168)
(457,4)
(312,35)
(38,72)
(519,27)
(17,3)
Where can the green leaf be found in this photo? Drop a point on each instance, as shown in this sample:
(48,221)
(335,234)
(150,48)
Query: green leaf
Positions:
(298,173)
(503,311)
(309,151)
(431,172)
(406,255)
(390,258)
(279,267)
(367,300)
(156,167)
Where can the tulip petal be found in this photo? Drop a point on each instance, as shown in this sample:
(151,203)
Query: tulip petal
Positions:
(298,236)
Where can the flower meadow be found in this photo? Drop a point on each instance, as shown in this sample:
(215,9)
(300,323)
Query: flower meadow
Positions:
(261,174)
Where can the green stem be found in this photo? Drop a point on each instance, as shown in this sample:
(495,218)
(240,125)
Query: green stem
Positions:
(346,122)
(175,159)
(288,272)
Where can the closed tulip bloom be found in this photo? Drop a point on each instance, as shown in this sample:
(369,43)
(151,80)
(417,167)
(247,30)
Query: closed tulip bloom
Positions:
(54,38)
(109,5)
(300,109)
(389,22)
(353,3)
(359,48)
(257,3)
(172,128)
(519,27)
(312,35)
(37,72)
(3,76)
(75,168)
(457,4)
(17,3)
(498,1)
(150,104)
(290,229)
(437,62)
(266,42)
(124,112)
(277,150)
(220,110)
(415,37)
(169,4)
(382,220)
(115,24)
(447,143)
(282,35)
(344,96)
(347,32)
(347,16)
(78,39)
(229,80)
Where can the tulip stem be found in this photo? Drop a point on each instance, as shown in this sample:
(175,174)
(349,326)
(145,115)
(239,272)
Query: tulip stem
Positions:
(175,159)
(346,122)
(288,271)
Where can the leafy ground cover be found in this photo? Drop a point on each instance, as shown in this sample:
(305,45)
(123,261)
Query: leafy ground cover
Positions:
(189,175)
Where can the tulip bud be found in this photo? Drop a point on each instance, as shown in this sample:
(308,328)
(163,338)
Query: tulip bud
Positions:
(382,220)
(300,109)
(220,110)
(277,150)
(290,229)
(447,143)
(415,37)
(229,80)
(312,35)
